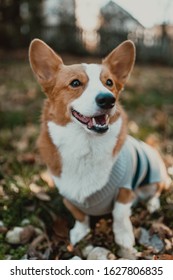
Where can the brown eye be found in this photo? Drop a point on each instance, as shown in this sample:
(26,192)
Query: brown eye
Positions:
(109,83)
(75,83)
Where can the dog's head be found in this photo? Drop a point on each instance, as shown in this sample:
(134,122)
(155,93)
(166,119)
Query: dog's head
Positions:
(83,93)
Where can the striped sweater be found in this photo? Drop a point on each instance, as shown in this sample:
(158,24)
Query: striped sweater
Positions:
(137,164)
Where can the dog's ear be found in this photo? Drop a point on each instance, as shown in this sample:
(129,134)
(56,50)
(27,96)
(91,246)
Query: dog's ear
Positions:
(44,61)
(120,61)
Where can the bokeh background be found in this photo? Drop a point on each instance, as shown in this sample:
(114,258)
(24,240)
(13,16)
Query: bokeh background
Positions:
(90,27)
(80,31)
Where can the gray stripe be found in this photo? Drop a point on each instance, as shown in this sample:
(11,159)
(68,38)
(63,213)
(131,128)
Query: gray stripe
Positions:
(101,202)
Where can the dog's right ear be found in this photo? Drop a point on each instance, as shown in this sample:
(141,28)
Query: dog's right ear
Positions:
(44,61)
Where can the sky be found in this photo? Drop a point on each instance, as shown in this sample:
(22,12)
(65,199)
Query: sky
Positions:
(147,12)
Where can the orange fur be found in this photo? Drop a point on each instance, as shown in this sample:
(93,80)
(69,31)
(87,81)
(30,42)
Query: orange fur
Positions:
(48,151)
(125,196)
(77,214)
(55,78)
(122,134)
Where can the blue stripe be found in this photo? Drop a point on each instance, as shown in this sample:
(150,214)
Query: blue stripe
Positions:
(146,179)
(138,167)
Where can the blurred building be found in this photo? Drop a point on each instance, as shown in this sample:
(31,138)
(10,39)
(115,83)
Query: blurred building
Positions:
(155,45)
(116,25)
(57,22)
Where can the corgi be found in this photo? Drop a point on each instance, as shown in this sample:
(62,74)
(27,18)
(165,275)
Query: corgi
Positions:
(96,166)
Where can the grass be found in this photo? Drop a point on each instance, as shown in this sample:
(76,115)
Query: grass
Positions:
(147,99)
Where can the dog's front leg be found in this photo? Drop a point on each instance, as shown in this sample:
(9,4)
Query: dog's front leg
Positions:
(122,226)
(81,227)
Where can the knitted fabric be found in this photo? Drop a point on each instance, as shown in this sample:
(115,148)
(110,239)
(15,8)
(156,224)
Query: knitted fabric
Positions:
(122,174)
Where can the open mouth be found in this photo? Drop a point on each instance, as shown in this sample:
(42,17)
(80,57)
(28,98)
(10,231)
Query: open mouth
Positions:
(98,123)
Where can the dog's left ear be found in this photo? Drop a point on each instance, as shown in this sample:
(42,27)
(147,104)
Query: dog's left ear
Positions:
(120,61)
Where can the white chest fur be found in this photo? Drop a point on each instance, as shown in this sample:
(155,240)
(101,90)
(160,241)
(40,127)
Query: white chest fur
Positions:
(86,158)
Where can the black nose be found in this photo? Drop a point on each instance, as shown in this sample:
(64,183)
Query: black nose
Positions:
(105,100)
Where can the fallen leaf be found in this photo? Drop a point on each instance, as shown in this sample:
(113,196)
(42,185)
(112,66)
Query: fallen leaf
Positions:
(70,248)
(3,229)
(21,145)
(2,193)
(28,158)
(144,238)
(98,253)
(39,192)
(60,228)
(13,235)
(35,188)
(45,176)
(148,240)
(168,244)
(26,234)
(161,229)
(111,256)
(157,243)
(163,257)
(39,239)
(43,196)
(104,226)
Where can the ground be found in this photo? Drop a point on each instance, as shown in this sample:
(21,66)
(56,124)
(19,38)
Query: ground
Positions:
(29,201)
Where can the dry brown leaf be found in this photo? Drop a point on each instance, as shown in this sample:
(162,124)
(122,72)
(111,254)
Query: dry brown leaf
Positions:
(3,229)
(152,140)
(103,226)
(35,188)
(28,158)
(21,145)
(39,239)
(70,248)
(168,244)
(39,192)
(26,234)
(43,196)
(161,229)
(60,228)
(163,257)
(45,176)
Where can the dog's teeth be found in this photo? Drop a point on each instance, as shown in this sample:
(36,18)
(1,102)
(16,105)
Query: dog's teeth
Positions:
(100,125)
(94,122)
(107,120)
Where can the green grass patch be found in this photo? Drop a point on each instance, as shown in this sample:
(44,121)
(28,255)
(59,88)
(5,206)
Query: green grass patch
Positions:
(11,119)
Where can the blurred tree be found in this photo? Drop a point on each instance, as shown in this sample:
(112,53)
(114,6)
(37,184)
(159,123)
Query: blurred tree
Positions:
(20,20)
(10,23)
(36,18)
(67,35)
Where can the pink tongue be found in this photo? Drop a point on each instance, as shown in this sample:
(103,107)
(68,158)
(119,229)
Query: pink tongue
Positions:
(99,120)
(81,117)
(84,119)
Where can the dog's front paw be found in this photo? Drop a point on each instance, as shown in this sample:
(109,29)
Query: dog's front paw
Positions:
(153,204)
(128,253)
(123,234)
(79,231)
